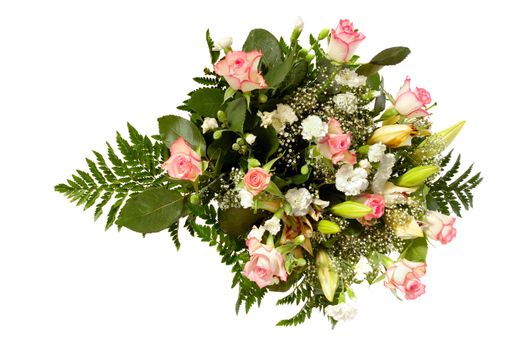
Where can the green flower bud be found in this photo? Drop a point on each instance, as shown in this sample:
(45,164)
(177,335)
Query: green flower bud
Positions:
(240,141)
(309,57)
(328,277)
(262,98)
(328,227)
(194,199)
(437,143)
(323,34)
(217,135)
(351,210)
(222,117)
(305,169)
(416,176)
(302,53)
(235,147)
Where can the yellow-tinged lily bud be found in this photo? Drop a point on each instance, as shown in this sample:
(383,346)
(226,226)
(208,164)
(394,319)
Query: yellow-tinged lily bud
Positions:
(351,210)
(437,143)
(328,227)
(409,230)
(328,277)
(416,176)
(393,136)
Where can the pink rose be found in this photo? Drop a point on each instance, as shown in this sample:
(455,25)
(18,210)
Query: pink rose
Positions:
(375,202)
(240,69)
(344,41)
(256,180)
(439,227)
(412,103)
(265,265)
(184,163)
(405,276)
(335,144)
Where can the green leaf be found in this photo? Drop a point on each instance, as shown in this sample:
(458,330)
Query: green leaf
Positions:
(239,221)
(172,127)
(264,41)
(387,57)
(236,114)
(152,210)
(266,143)
(206,101)
(214,55)
(417,250)
(296,75)
(220,151)
(272,188)
(277,74)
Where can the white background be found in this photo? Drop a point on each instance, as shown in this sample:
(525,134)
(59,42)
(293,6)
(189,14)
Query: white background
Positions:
(72,73)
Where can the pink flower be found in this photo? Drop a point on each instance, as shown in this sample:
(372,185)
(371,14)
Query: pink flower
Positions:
(375,202)
(184,163)
(266,263)
(439,227)
(335,144)
(256,180)
(240,69)
(405,276)
(344,41)
(412,103)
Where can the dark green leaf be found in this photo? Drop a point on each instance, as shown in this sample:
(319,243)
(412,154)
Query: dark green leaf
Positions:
(206,101)
(266,142)
(380,104)
(152,210)
(391,56)
(236,114)
(220,151)
(417,250)
(296,75)
(239,221)
(368,69)
(262,40)
(172,127)
(278,73)
(214,55)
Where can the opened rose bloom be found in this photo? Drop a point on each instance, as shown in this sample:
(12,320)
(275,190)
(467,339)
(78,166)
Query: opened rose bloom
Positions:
(405,276)
(266,265)
(240,70)
(410,102)
(256,180)
(184,163)
(375,202)
(335,145)
(439,227)
(344,41)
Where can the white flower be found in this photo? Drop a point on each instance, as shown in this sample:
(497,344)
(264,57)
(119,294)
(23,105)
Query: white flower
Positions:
(256,232)
(351,181)
(362,268)
(346,102)
(299,24)
(266,117)
(365,164)
(300,200)
(313,128)
(278,118)
(209,124)
(376,151)
(272,225)
(322,204)
(341,312)
(383,173)
(349,78)
(222,44)
(246,198)
(250,138)
(285,113)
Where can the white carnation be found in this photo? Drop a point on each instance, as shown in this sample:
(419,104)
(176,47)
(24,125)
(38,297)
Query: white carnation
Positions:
(341,312)
(285,113)
(376,151)
(351,181)
(222,44)
(267,118)
(272,225)
(348,77)
(383,173)
(313,128)
(250,138)
(300,200)
(209,124)
(366,165)
(246,198)
(256,232)
(362,268)
(279,118)
(346,102)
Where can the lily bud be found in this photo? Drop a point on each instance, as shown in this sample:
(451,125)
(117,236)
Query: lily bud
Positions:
(328,277)
(393,136)
(437,143)
(351,210)
(409,230)
(328,227)
(416,176)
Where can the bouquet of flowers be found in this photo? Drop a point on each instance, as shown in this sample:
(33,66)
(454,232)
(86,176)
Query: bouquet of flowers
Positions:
(295,163)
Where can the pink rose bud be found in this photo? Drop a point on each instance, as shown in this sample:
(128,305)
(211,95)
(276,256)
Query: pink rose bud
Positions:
(344,41)
(412,103)
(256,180)
(375,202)
(240,70)
(184,163)
(439,227)
(335,145)
(404,276)
(266,264)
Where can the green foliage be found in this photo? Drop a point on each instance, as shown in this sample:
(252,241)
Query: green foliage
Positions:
(173,230)
(207,81)
(206,101)
(134,168)
(236,111)
(447,194)
(171,127)
(416,250)
(262,40)
(278,73)
(387,57)
(301,316)
(214,55)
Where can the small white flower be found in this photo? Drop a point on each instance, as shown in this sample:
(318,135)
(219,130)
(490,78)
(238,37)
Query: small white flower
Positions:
(383,172)
(313,128)
(376,151)
(351,181)
(222,44)
(209,124)
(348,77)
(346,102)
(272,225)
(246,198)
(366,165)
(362,268)
(300,200)
(278,118)
(341,312)
(285,113)
(250,138)
(267,118)
(322,204)
(299,24)
(256,232)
